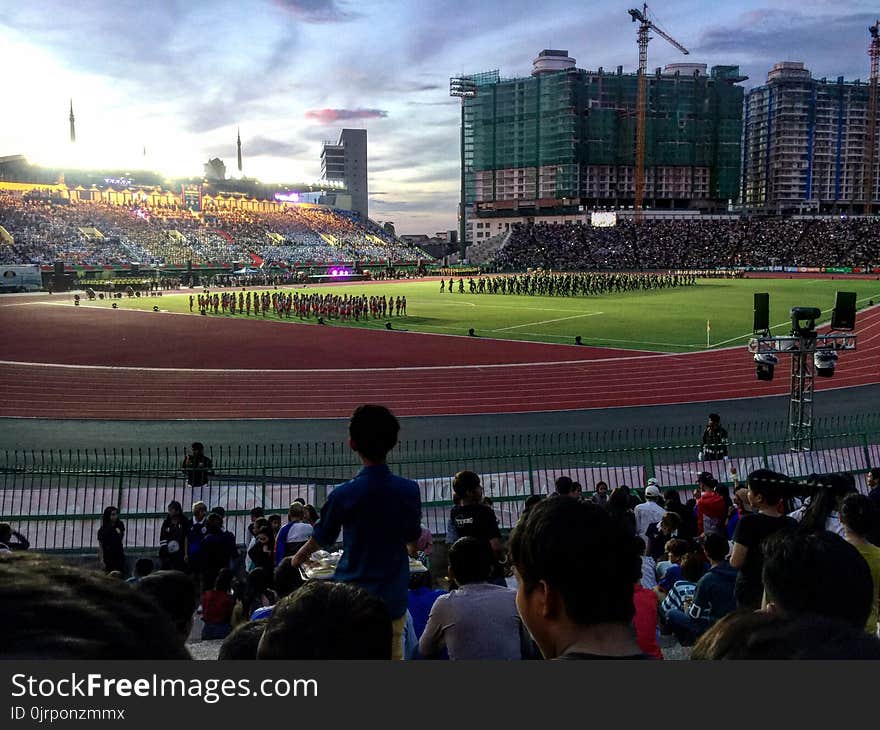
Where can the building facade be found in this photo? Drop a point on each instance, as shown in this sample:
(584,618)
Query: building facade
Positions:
(562,140)
(804,144)
(346,160)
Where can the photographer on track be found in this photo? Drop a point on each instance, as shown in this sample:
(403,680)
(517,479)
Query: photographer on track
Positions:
(714,440)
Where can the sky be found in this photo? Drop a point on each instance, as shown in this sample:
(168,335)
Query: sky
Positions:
(178,77)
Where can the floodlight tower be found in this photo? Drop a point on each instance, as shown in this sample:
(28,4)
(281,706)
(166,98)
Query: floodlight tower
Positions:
(464,87)
(643,36)
(812,355)
(871,137)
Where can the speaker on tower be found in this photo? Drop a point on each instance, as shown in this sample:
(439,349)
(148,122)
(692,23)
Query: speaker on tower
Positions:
(844,315)
(762,313)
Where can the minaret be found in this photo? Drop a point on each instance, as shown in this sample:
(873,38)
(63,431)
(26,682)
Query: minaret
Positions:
(239,150)
(72,124)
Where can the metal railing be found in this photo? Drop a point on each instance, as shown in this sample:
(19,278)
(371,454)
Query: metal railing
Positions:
(56,497)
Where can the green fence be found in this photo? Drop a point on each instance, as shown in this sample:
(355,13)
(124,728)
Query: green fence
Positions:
(56,497)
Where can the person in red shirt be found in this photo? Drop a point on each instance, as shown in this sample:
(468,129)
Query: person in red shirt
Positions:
(645,620)
(217,605)
(711,508)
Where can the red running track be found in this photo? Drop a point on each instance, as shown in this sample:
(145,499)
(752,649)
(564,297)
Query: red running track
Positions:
(64,362)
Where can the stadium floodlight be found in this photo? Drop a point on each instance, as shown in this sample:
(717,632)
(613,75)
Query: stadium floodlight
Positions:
(803,321)
(463,87)
(824,362)
(765,362)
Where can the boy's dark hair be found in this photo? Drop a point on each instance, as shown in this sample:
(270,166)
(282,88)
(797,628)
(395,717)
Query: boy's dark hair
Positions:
(5,532)
(874,472)
(532,500)
(257,512)
(143,567)
(771,485)
(174,592)
(328,620)
(715,418)
(287,578)
(859,515)
(677,546)
(581,552)
(692,567)
(244,640)
(223,582)
(716,546)
(817,573)
(564,485)
(52,610)
(763,635)
(374,430)
(671,520)
(465,482)
(471,560)
(198,446)
(214,523)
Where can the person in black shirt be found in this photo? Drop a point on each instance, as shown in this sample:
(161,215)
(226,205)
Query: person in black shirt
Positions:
(7,544)
(110,538)
(576,568)
(714,439)
(766,489)
(197,466)
(172,538)
(472,518)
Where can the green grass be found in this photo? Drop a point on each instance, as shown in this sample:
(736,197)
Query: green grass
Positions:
(671,320)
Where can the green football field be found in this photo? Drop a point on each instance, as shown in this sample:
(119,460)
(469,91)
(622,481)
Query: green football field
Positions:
(670,320)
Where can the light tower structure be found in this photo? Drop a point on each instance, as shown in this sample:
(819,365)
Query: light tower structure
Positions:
(811,354)
(643,37)
(463,87)
(238,144)
(72,124)
(871,136)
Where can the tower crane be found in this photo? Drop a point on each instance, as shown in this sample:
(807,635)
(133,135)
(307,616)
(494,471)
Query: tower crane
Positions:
(643,35)
(871,137)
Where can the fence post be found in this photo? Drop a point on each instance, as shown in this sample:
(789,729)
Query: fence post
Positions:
(119,491)
(263,493)
(531,476)
(764,454)
(650,462)
(867,450)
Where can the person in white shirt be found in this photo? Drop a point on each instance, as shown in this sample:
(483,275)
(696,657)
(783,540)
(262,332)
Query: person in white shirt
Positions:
(650,512)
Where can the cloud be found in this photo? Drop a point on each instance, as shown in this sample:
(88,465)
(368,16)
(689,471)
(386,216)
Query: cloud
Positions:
(317,11)
(330,116)
(267,147)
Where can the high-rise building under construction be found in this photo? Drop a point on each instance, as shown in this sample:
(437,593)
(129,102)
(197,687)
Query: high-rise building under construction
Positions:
(563,139)
(805,143)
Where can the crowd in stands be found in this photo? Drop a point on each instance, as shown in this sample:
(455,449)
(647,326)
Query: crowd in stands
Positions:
(700,244)
(46,228)
(784,569)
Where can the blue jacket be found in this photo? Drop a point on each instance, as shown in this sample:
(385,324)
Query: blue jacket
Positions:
(714,597)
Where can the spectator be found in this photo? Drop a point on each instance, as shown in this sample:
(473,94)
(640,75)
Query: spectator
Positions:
(649,566)
(7,544)
(601,495)
(217,551)
(421,599)
(817,573)
(649,512)
(478,620)
(859,518)
(822,510)
(711,508)
(619,508)
(52,610)
(687,527)
(328,620)
(217,605)
(197,531)
(761,635)
(243,642)
(253,594)
(174,593)
(530,502)
(714,439)
(262,553)
(287,579)
(379,514)
(311,514)
(172,538)
(275,523)
(680,596)
(473,518)
(873,482)
(576,569)
(661,533)
(111,536)
(714,595)
(294,534)
(197,467)
(645,620)
(142,568)
(253,529)
(765,490)
(565,487)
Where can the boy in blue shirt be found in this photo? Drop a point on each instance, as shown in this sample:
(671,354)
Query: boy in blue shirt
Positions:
(378,513)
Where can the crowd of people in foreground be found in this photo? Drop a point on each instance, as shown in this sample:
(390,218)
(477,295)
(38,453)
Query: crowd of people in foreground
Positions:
(762,574)
(692,244)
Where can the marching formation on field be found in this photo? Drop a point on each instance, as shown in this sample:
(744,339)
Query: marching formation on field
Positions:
(569,285)
(304,306)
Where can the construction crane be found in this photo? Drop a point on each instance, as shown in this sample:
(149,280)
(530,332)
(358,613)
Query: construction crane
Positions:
(645,26)
(871,137)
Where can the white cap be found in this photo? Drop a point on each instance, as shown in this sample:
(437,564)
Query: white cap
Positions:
(652,491)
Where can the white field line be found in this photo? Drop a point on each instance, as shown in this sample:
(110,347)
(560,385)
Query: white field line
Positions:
(547,321)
